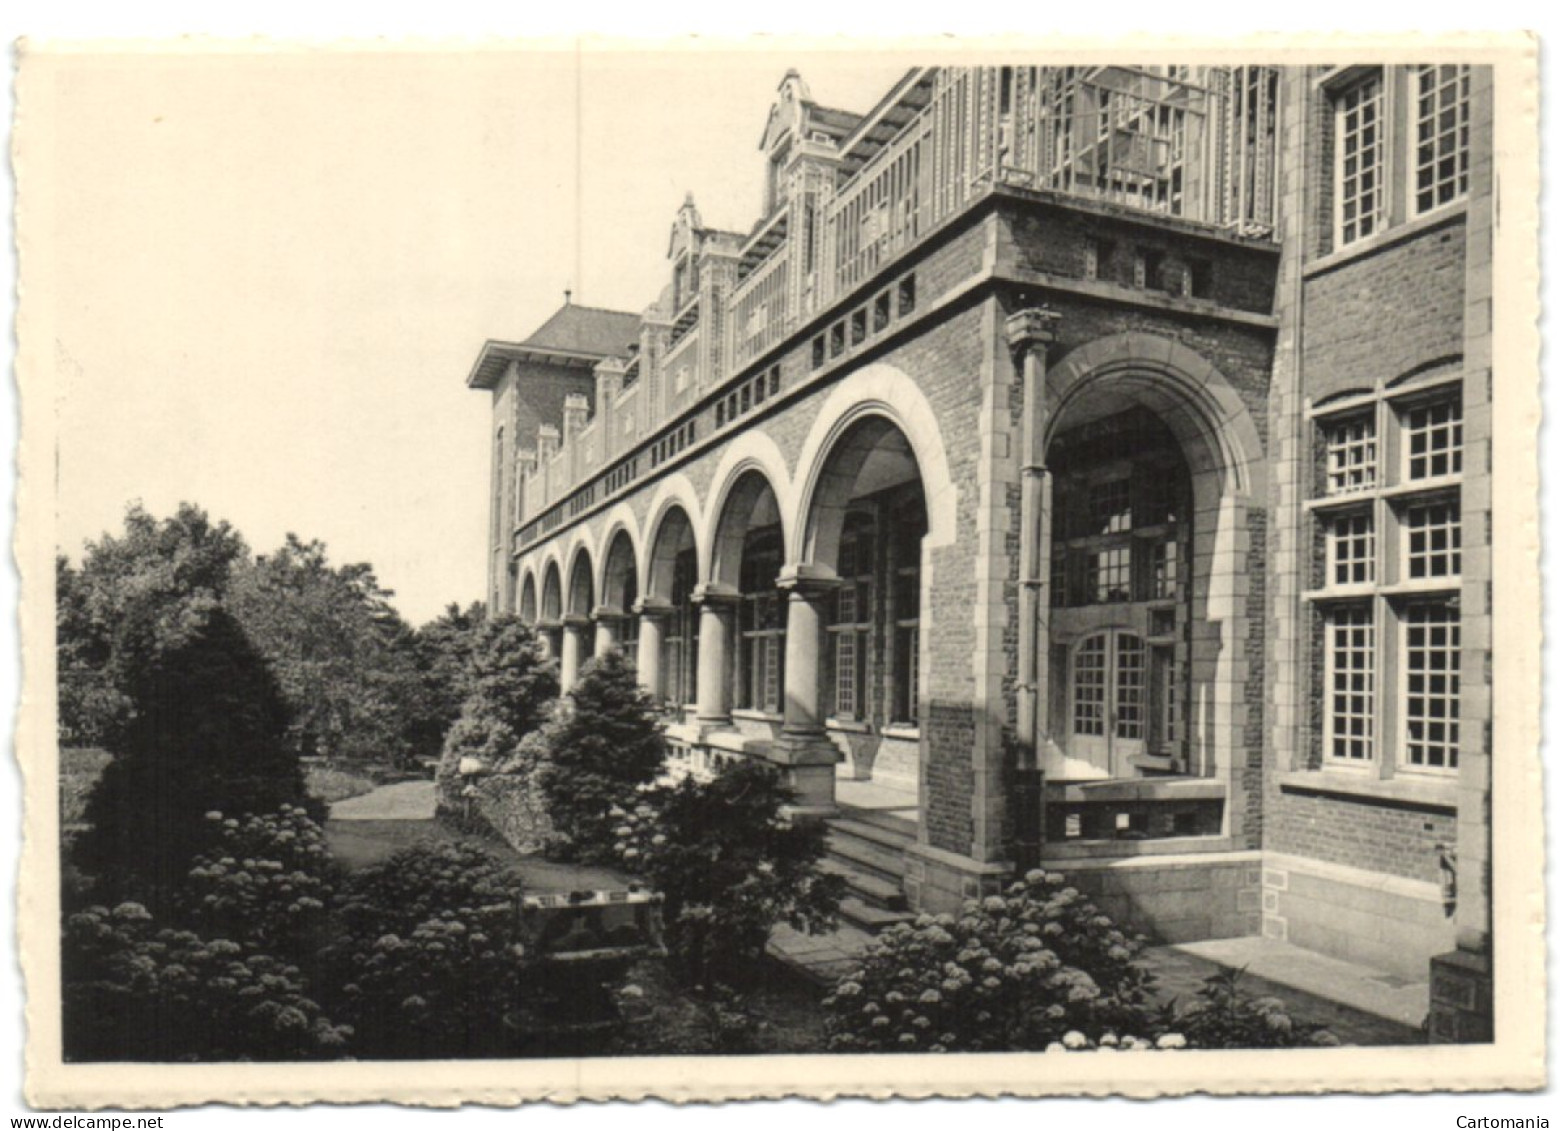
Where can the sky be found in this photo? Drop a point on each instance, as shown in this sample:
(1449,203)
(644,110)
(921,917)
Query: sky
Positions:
(274,271)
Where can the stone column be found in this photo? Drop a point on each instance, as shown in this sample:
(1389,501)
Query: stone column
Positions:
(652,626)
(575,628)
(1029,334)
(609,628)
(547,638)
(717,625)
(804,749)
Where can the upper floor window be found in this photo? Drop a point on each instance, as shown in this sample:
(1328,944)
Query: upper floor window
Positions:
(1351,455)
(1434,439)
(1361,160)
(1401,145)
(1441,136)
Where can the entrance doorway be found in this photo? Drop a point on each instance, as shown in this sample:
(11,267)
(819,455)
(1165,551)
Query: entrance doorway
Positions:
(1109,708)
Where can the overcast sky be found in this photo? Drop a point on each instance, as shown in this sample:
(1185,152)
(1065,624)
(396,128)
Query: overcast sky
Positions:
(274,271)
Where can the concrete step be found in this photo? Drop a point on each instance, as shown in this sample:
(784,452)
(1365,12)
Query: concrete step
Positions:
(872,890)
(869,918)
(879,860)
(877,834)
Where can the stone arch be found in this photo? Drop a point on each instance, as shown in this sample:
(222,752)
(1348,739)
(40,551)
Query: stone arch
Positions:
(675,496)
(619,587)
(552,591)
(883,392)
(1198,402)
(1224,458)
(528,596)
(751,451)
(745,498)
(620,529)
(580,596)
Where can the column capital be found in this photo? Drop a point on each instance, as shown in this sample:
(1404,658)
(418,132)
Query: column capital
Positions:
(807,580)
(576,620)
(1032,327)
(715,593)
(653,607)
(608,612)
(548,625)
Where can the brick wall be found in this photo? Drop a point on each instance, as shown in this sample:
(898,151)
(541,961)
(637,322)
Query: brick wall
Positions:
(1384,836)
(1385,314)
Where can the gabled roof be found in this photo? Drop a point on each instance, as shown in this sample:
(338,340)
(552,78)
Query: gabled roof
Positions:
(576,336)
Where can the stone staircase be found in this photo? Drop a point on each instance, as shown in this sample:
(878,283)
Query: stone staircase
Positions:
(867,847)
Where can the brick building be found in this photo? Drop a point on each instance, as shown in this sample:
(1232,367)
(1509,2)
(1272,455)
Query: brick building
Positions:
(1071,465)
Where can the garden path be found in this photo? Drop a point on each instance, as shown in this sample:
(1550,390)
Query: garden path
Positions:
(403,801)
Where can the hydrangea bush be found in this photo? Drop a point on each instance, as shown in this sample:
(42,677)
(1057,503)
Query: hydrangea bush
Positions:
(1225,1016)
(268,881)
(137,991)
(1016,971)
(430,963)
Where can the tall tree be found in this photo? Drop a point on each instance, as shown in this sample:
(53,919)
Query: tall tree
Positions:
(331,637)
(135,596)
(441,651)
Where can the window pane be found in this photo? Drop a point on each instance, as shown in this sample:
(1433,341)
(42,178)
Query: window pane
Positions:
(1089,687)
(1441,155)
(1433,439)
(1434,539)
(1129,686)
(1351,550)
(1432,665)
(1360,154)
(1351,679)
(1351,455)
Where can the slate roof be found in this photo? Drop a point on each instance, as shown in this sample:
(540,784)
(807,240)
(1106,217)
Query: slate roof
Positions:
(577,336)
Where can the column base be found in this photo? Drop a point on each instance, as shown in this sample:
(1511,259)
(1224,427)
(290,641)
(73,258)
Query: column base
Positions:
(1462,989)
(937,880)
(807,763)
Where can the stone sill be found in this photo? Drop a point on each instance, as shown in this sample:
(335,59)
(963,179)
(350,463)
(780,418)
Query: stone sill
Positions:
(1054,851)
(849,726)
(1427,792)
(735,743)
(752,716)
(900,731)
(1144,789)
(1445,216)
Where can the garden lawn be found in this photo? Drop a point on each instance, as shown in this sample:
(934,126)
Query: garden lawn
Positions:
(357,844)
(331,785)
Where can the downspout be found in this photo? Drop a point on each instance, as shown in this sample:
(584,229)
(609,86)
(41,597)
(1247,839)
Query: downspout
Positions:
(1029,334)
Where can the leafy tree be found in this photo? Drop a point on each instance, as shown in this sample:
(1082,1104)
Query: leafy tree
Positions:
(134,596)
(511,692)
(599,752)
(441,652)
(330,634)
(730,866)
(206,730)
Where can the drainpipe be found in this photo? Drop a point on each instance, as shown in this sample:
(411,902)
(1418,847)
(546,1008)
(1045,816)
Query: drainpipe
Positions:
(1029,334)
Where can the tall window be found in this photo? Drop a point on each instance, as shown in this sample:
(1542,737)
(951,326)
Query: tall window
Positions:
(1401,146)
(851,629)
(1440,136)
(761,623)
(1351,685)
(680,646)
(1393,530)
(909,529)
(1432,639)
(1361,160)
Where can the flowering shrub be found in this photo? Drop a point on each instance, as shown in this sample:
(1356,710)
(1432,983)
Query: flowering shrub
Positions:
(1224,1016)
(1012,972)
(133,991)
(267,882)
(431,964)
(729,866)
(1074,1041)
